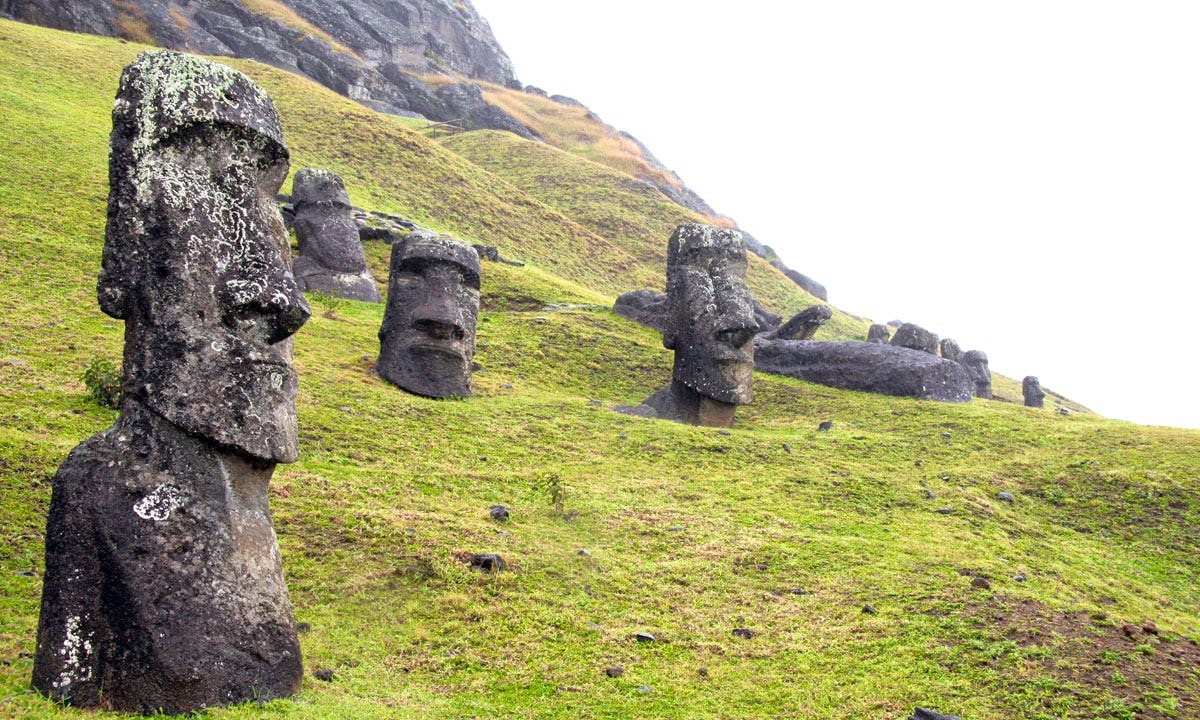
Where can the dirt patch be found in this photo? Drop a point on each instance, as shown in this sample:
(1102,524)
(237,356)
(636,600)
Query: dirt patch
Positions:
(1129,670)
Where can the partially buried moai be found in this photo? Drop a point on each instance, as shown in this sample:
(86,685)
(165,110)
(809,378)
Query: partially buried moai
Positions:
(975,362)
(427,340)
(164,588)
(711,327)
(331,256)
(1031,388)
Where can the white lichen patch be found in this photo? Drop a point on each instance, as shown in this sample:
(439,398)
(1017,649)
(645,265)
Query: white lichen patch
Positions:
(160,503)
(76,652)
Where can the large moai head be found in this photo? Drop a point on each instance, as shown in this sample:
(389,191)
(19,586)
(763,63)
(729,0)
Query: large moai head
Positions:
(879,333)
(712,323)
(196,260)
(427,340)
(1031,388)
(975,362)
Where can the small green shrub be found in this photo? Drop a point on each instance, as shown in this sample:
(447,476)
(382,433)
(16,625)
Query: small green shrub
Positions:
(103,381)
(328,302)
(554,488)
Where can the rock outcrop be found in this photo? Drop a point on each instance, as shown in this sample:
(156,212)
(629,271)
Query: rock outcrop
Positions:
(871,367)
(164,587)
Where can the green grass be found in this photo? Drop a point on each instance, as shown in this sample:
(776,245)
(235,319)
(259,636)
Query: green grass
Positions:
(692,532)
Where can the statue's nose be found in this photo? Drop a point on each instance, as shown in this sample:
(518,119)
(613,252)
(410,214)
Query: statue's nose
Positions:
(271,304)
(441,318)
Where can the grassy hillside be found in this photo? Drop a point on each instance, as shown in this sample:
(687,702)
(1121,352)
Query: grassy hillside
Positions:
(690,533)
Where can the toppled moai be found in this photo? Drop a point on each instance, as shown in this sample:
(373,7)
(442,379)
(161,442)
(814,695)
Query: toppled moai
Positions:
(711,328)
(331,259)
(164,587)
(427,340)
(915,337)
(868,366)
(879,333)
(803,324)
(1031,388)
(975,362)
(950,350)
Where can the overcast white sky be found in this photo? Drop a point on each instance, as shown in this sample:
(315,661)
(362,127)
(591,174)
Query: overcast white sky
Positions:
(1021,176)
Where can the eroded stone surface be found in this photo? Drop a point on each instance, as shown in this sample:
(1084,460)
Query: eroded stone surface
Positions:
(1031,388)
(872,367)
(915,337)
(950,350)
(164,588)
(427,339)
(879,333)
(331,259)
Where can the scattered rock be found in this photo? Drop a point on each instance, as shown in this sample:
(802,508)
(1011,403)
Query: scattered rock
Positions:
(945,511)
(927,714)
(584,553)
(645,689)
(1064,411)
(825,425)
(487,562)
(303,627)
(799,591)
(929,494)
(702,672)
(644,637)
(506,386)
(744,633)
(499,513)
(615,671)
(1020,577)
(1005,497)
(26,573)
(1128,630)
(981,583)
(1150,628)
(323,674)
(869,610)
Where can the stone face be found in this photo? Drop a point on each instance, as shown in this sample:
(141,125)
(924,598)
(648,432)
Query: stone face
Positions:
(331,258)
(879,333)
(427,339)
(950,350)
(164,588)
(712,324)
(871,367)
(1031,388)
(975,362)
(649,307)
(915,337)
(803,324)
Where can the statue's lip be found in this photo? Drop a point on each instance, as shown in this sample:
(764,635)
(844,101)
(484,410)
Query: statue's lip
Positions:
(449,349)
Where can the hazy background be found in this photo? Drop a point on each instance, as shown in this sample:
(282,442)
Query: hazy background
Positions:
(1020,176)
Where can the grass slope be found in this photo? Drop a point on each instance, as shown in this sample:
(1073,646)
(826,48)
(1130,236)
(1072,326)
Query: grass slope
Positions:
(772,527)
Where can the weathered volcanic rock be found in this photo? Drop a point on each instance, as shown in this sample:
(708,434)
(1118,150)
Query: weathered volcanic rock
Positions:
(975,362)
(331,255)
(164,588)
(1031,388)
(879,333)
(649,307)
(915,337)
(950,350)
(872,367)
(803,324)
(427,340)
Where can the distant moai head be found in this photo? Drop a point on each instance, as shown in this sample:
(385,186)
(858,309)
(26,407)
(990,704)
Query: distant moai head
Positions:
(879,333)
(711,314)
(325,230)
(196,259)
(951,350)
(975,362)
(427,340)
(1031,388)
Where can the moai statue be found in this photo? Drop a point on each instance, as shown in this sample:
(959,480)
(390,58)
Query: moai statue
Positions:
(915,337)
(427,340)
(711,330)
(1031,388)
(975,362)
(164,589)
(331,256)
(803,324)
(951,350)
(879,333)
